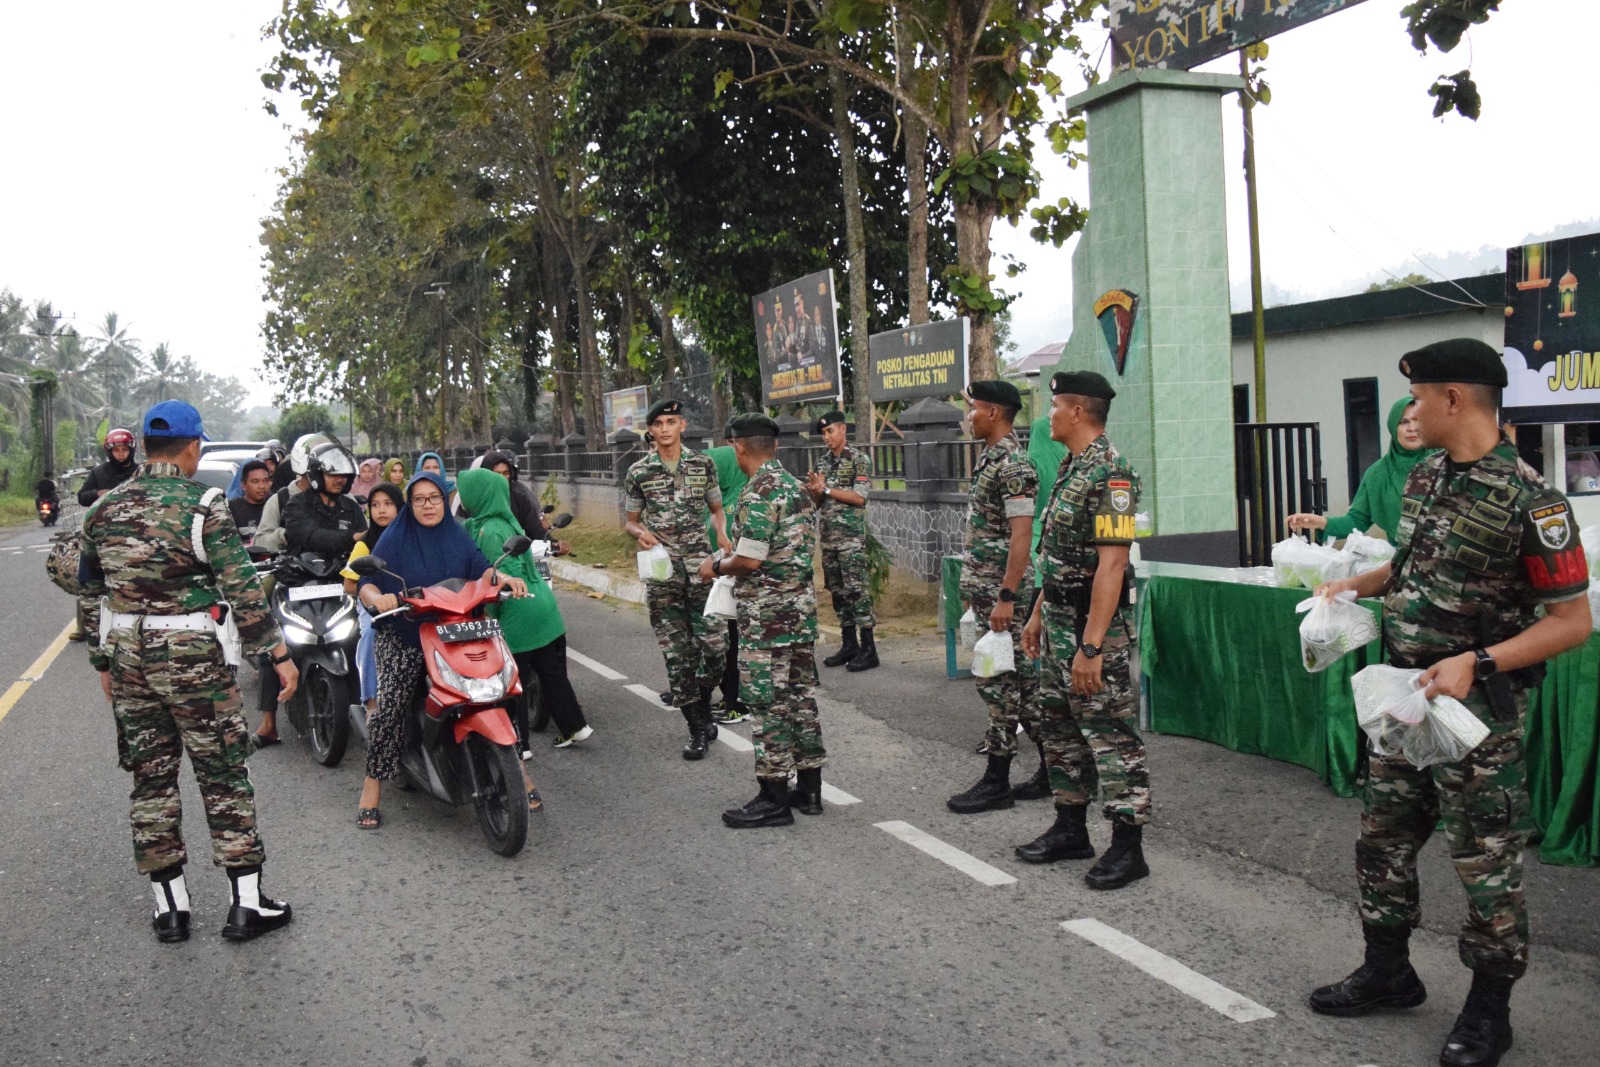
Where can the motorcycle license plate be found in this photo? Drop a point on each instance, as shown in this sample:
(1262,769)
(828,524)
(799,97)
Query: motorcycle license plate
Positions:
(471,630)
(315,592)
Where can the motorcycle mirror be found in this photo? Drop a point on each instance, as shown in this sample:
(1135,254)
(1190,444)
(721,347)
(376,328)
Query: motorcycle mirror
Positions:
(547,509)
(516,545)
(368,566)
(561,521)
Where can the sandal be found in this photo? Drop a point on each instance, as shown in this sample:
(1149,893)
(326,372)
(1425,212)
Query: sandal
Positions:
(369,818)
(265,742)
(535,801)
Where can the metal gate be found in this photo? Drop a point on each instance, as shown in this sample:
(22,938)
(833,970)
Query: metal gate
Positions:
(1278,468)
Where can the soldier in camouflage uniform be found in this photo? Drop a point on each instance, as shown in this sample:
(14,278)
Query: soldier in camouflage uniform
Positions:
(996,575)
(1483,544)
(839,487)
(1081,629)
(772,562)
(668,495)
(162,553)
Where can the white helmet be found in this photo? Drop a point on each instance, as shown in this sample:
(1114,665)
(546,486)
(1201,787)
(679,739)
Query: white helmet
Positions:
(300,454)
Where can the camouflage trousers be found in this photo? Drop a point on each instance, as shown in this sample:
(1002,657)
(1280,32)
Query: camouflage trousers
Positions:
(778,686)
(694,646)
(844,573)
(1092,743)
(171,693)
(1012,697)
(1483,804)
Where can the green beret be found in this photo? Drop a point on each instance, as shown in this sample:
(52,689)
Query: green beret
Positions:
(663,407)
(996,392)
(751,424)
(1460,359)
(1081,383)
(829,419)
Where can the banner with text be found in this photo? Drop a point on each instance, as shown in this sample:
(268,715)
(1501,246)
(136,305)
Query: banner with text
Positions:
(918,361)
(797,340)
(1181,34)
(1552,339)
(625,409)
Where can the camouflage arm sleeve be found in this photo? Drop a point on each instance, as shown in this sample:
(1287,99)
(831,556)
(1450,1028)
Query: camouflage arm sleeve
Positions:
(1552,554)
(862,482)
(237,580)
(1113,512)
(760,525)
(93,579)
(1019,484)
(632,498)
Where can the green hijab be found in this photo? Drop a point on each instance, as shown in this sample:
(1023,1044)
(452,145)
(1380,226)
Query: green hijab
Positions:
(535,620)
(1377,501)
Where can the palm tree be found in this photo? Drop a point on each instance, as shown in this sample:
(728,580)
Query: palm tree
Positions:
(163,377)
(117,363)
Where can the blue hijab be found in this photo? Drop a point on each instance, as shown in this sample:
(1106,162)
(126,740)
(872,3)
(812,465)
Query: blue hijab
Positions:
(449,483)
(424,555)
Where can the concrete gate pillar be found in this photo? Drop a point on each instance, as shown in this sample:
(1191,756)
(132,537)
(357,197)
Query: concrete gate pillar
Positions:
(1156,229)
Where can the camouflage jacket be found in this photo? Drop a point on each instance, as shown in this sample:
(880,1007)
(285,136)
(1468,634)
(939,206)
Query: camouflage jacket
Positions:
(674,505)
(850,470)
(1093,503)
(777,602)
(1480,548)
(138,552)
(1004,484)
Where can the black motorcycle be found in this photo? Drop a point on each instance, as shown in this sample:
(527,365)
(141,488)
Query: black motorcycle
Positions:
(320,626)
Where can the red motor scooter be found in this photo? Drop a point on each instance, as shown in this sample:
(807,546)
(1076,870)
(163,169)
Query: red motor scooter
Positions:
(460,746)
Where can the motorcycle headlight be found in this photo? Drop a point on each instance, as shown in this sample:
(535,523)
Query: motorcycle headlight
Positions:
(477,690)
(340,631)
(298,635)
(292,616)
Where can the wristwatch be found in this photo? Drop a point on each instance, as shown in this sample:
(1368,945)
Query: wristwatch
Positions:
(278,661)
(1007,596)
(1486,666)
(716,566)
(1089,651)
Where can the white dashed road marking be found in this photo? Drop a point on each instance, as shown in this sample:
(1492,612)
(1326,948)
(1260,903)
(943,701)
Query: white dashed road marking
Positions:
(834,795)
(970,866)
(737,742)
(648,694)
(599,668)
(1219,998)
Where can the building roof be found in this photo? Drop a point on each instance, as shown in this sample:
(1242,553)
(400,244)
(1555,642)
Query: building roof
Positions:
(1032,364)
(1435,298)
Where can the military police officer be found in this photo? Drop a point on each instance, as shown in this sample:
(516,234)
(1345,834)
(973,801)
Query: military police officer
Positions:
(1484,544)
(668,496)
(1081,629)
(162,553)
(839,487)
(995,576)
(772,563)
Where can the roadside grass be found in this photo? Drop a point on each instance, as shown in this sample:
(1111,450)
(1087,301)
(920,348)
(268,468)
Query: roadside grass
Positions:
(16,509)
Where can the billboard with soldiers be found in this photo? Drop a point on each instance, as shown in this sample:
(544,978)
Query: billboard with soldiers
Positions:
(918,361)
(797,339)
(1552,335)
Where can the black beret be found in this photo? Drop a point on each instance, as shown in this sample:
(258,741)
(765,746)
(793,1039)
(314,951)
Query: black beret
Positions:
(829,419)
(1460,359)
(751,424)
(996,392)
(663,407)
(1081,383)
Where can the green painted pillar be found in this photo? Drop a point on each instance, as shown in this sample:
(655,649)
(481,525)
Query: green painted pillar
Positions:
(1157,230)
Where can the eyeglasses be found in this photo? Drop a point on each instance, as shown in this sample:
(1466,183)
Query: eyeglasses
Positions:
(432,500)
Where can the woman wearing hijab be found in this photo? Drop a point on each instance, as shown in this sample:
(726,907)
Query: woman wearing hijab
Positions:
(423,546)
(1377,501)
(394,472)
(533,627)
(524,505)
(367,476)
(383,507)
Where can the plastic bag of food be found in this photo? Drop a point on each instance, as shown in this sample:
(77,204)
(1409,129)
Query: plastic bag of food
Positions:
(1369,552)
(1285,555)
(655,564)
(1331,628)
(719,601)
(992,654)
(1400,720)
(1449,732)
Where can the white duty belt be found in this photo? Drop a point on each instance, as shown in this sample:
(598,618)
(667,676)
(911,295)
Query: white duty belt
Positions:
(195,620)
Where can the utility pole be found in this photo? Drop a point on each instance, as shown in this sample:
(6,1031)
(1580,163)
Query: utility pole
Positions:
(437,291)
(1247,103)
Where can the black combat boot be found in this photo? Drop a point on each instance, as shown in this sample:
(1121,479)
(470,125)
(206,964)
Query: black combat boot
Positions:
(867,658)
(253,913)
(992,792)
(702,731)
(171,917)
(847,651)
(1482,1032)
(1037,787)
(1384,980)
(806,796)
(769,808)
(1068,839)
(1123,862)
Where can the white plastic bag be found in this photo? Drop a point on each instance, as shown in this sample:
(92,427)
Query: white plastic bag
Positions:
(1332,628)
(1285,554)
(655,564)
(992,654)
(1589,538)
(967,630)
(719,602)
(1446,736)
(1401,721)
(1368,552)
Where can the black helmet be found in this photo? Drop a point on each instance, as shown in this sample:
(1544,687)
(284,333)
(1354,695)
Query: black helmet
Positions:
(329,457)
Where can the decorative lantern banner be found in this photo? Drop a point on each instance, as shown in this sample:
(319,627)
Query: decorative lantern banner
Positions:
(1552,337)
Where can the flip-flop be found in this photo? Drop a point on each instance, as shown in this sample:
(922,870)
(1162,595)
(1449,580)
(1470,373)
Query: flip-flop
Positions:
(369,818)
(265,742)
(535,801)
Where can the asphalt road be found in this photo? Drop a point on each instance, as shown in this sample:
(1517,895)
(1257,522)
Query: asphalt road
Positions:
(635,928)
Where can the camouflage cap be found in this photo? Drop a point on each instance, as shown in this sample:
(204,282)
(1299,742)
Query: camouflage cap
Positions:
(995,392)
(751,424)
(663,407)
(1460,359)
(1081,383)
(829,419)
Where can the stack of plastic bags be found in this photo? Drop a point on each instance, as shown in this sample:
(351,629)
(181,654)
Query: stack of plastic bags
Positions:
(1297,562)
(1332,628)
(1400,720)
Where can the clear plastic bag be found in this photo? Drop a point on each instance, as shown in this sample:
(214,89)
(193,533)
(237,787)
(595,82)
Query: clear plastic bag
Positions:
(1589,538)
(1368,552)
(1332,628)
(1285,555)
(993,655)
(1401,721)
(655,564)
(719,601)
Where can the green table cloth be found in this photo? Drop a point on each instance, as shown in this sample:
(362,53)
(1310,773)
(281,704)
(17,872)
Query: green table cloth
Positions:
(1563,748)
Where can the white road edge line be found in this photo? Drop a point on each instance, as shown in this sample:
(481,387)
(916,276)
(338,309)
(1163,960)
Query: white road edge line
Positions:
(737,742)
(1217,997)
(834,795)
(594,665)
(648,694)
(970,866)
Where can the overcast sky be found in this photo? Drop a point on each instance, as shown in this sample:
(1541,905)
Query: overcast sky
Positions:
(140,162)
